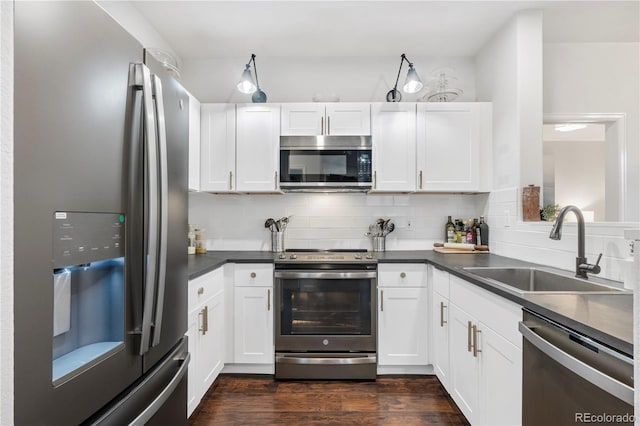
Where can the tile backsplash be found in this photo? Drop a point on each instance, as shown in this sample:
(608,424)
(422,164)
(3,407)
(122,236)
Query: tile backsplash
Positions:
(236,222)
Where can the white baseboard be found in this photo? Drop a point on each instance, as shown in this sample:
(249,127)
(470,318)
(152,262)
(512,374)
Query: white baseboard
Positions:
(249,369)
(405,369)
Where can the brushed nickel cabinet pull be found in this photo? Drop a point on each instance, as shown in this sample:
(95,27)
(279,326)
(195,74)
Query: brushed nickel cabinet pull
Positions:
(201,290)
(403,275)
(375,179)
(322,125)
(469,331)
(475,341)
(230,180)
(268,299)
(275,180)
(328,125)
(420,179)
(253,275)
(381,300)
(205,320)
(442,321)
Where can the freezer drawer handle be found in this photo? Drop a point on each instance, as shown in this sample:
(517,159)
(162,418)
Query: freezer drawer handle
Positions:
(592,375)
(157,403)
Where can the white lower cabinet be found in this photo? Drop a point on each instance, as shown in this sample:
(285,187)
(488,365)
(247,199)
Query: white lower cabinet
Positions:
(402,316)
(206,332)
(253,314)
(477,351)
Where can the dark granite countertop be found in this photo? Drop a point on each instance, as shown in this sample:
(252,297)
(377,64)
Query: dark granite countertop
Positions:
(607,318)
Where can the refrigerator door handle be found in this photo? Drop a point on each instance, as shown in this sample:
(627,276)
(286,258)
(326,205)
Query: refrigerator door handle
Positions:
(157,403)
(152,225)
(164,208)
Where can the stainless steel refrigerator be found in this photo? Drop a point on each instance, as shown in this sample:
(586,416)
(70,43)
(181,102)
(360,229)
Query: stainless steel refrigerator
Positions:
(100,223)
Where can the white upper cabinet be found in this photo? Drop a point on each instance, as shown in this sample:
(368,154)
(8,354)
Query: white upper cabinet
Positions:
(257,147)
(317,119)
(393,136)
(454,146)
(194,144)
(218,147)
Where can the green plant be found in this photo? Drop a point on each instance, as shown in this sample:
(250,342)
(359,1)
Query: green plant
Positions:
(549,212)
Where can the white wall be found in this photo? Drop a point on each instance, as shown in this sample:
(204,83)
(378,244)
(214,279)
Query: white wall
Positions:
(509,74)
(598,78)
(6,212)
(236,222)
(578,181)
(299,79)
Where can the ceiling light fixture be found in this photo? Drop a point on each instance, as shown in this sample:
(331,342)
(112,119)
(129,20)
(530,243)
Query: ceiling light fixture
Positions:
(246,84)
(412,84)
(569,127)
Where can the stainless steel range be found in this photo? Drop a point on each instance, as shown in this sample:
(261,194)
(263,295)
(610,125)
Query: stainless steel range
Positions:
(325,315)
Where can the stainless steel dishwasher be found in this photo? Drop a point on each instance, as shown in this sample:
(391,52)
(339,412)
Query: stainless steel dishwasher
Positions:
(570,379)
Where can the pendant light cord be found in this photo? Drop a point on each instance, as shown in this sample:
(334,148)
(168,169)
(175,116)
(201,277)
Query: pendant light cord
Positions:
(255,69)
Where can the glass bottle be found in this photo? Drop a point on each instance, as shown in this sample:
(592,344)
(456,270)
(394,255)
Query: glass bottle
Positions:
(450,229)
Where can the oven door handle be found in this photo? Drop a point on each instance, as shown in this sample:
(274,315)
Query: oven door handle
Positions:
(368,359)
(345,275)
(592,375)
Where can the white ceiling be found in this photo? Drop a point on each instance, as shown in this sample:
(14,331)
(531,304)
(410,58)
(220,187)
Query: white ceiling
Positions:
(209,29)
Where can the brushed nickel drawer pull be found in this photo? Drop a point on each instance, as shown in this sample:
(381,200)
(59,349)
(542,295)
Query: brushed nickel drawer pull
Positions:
(253,275)
(403,275)
(201,291)
(475,341)
(268,299)
(469,330)
(381,300)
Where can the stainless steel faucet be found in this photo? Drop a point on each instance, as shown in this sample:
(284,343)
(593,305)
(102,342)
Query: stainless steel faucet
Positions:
(582,267)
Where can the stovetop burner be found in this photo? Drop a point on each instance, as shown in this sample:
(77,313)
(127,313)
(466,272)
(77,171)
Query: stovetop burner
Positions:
(326,256)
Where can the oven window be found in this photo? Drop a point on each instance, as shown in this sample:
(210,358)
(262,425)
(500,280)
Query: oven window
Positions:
(325,166)
(317,307)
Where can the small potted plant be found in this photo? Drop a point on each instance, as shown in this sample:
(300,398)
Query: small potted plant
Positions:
(549,212)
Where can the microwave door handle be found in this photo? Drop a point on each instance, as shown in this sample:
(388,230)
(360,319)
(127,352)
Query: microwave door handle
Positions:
(164,209)
(151,216)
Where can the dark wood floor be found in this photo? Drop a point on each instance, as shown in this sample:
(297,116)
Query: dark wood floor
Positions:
(259,400)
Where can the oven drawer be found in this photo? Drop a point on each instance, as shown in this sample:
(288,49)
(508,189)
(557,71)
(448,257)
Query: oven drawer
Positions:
(402,275)
(326,366)
(253,274)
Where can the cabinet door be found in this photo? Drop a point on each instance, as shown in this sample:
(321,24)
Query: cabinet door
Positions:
(257,143)
(464,372)
(394,146)
(440,334)
(193,382)
(212,341)
(448,147)
(402,326)
(194,144)
(253,325)
(500,379)
(302,119)
(218,147)
(348,119)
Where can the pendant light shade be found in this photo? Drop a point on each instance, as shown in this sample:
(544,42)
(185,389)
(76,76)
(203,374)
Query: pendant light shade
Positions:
(246,84)
(412,84)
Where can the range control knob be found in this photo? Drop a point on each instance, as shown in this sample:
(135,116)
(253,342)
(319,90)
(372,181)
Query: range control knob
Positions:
(282,256)
(369,256)
(357,256)
(293,256)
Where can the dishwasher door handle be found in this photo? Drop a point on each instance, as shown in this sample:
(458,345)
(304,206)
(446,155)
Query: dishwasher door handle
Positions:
(592,375)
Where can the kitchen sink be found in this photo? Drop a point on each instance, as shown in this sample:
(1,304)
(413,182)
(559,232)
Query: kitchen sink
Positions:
(526,280)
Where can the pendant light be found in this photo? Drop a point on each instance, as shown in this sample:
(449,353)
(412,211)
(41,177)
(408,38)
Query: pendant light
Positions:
(246,84)
(412,84)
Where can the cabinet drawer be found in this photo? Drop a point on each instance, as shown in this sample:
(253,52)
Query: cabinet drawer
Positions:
(402,275)
(253,274)
(441,281)
(204,287)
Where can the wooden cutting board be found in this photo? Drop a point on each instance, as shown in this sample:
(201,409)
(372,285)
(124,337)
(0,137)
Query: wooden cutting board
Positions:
(451,250)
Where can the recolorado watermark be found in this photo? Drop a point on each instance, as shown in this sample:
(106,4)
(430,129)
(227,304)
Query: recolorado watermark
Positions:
(604,418)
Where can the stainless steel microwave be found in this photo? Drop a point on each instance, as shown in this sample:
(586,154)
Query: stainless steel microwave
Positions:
(325,163)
